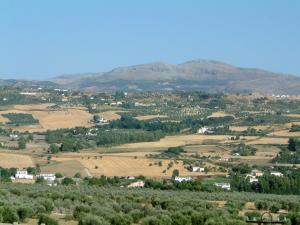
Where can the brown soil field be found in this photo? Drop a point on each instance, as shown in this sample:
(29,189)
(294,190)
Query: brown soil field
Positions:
(149,117)
(110,115)
(10,160)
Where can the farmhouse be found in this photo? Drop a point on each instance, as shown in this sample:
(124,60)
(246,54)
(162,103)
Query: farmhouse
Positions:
(252,179)
(277,174)
(197,169)
(203,130)
(225,186)
(49,177)
(181,179)
(22,174)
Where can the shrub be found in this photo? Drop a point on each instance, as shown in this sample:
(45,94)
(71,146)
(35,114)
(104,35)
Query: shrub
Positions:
(89,219)
(44,219)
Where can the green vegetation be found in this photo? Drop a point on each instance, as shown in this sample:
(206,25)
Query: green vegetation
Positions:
(20,119)
(90,205)
(244,150)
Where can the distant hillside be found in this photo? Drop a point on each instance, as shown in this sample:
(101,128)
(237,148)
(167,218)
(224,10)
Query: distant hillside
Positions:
(27,83)
(206,75)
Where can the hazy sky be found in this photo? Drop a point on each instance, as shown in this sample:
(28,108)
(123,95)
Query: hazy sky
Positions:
(42,39)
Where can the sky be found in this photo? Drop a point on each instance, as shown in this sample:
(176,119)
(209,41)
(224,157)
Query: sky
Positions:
(43,39)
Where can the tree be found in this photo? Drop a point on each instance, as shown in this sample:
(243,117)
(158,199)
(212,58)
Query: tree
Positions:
(22,143)
(68,181)
(90,219)
(53,149)
(292,144)
(175,173)
(77,175)
(44,219)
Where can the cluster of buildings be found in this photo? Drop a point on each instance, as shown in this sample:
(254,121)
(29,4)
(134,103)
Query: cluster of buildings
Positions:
(24,175)
(253,176)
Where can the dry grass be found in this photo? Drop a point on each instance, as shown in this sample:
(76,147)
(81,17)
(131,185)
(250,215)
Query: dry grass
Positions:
(3,119)
(293,115)
(33,107)
(220,114)
(149,117)
(180,140)
(110,115)
(57,216)
(269,140)
(243,128)
(66,167)
(48,119)
(128,165)
(285,133)
(10,160)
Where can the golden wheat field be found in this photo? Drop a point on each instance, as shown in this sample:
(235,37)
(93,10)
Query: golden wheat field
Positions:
(122,165)
(10,160)
(180,140)
(66,117)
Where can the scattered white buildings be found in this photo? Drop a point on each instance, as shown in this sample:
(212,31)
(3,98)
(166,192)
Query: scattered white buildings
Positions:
(225,186)
(28,93)
(181,179)
(23,174)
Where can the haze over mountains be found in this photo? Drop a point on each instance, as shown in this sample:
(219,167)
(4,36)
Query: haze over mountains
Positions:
(205,75)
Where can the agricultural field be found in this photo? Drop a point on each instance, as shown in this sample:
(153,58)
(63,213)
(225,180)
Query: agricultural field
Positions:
(107,142)
(49,119)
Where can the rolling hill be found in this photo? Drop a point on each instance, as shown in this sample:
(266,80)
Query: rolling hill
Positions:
(205,75)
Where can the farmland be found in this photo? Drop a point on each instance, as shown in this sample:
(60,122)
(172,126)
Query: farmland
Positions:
(111,140)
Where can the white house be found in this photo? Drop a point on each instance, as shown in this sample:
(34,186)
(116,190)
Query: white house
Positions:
(203,130)
(22,174)
(277,174)
(197,169)
(225,186)
(49,177)
(180,179)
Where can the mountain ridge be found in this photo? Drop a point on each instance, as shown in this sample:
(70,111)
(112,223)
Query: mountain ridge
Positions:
(198,74)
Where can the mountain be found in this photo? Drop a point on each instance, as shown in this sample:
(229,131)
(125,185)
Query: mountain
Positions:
(205,75)
(27,83)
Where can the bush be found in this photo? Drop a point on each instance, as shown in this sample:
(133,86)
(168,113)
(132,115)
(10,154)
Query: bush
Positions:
(44,219)
(89,219)
(150,220)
